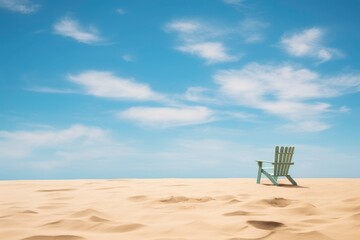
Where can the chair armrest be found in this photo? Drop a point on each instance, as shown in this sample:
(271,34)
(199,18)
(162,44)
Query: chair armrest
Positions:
(273,163)
(265,161)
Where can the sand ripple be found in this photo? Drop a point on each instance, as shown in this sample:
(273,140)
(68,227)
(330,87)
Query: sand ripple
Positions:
(179,209)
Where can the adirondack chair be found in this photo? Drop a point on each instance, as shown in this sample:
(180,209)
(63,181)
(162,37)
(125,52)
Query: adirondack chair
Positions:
(280,167)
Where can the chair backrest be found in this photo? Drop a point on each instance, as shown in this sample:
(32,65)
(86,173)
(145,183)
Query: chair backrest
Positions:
(283,156)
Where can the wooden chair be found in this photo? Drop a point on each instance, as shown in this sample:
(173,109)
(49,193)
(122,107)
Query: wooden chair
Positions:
(280,167)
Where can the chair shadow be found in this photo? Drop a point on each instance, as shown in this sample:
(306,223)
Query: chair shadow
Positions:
(283,185)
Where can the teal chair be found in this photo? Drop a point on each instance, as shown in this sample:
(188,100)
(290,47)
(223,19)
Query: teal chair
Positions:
(280,167)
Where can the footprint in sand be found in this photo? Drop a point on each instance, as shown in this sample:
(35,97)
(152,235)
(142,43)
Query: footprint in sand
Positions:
(226,197)
(237,213)
(125,227)
(110,188)
(98,219)
(302,209)
(313,235)
(355,217)
(178,199)
(138,198)
(87,213)
(53,206)
(265,225)
(234,201)
(57,237)
(28,212)
(352,200)
(277,202)
(67,224)
(56,190)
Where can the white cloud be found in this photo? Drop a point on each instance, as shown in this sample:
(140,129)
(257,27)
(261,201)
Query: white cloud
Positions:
(53,148)
(234,2)
(286,91)
(53,137)
(121,11)
(128,58)
(194,31)
(105,84)
(168,116)
(307,126)
(22,143)
(21,6)
(50,90)
(243,116)
(200,95)
(212,52)
(201,39)
(69,27)
(308,43)
(251,29)
(184,26)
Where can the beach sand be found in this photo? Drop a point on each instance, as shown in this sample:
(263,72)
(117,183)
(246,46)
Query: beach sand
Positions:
(176,209)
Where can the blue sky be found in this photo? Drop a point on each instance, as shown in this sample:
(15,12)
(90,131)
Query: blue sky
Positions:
(147,89)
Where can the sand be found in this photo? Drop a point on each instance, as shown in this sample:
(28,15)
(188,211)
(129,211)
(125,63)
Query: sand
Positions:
(176,209)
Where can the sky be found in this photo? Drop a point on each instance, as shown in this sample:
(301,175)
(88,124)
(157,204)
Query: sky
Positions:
(178,89)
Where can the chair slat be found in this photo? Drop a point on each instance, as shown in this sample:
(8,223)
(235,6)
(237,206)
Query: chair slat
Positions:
(283,156)
(277,155)
(290,156)
(286,159)
(281,160)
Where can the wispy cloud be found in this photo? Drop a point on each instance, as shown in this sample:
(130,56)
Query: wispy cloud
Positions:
(128,58)
(234,2)
(20,6)
(121,11)
(50,90)
(28,141)
(287,91)
(252,30)
(184,26)
(308,43)
(201,40)
(201,95)
(62,146)
(69,27)
(107,85)
(194,31)
(53,137)
(212,52)
(168,116)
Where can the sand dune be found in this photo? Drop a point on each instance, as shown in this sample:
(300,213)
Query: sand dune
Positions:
(179,209)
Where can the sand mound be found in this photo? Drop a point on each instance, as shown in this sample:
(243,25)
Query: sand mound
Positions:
(179,209)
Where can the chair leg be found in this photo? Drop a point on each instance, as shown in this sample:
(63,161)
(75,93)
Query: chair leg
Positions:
(259,173)
(291,180)
(272,179)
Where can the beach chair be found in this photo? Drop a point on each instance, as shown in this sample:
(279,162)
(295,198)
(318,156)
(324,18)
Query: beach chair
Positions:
(280,167)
